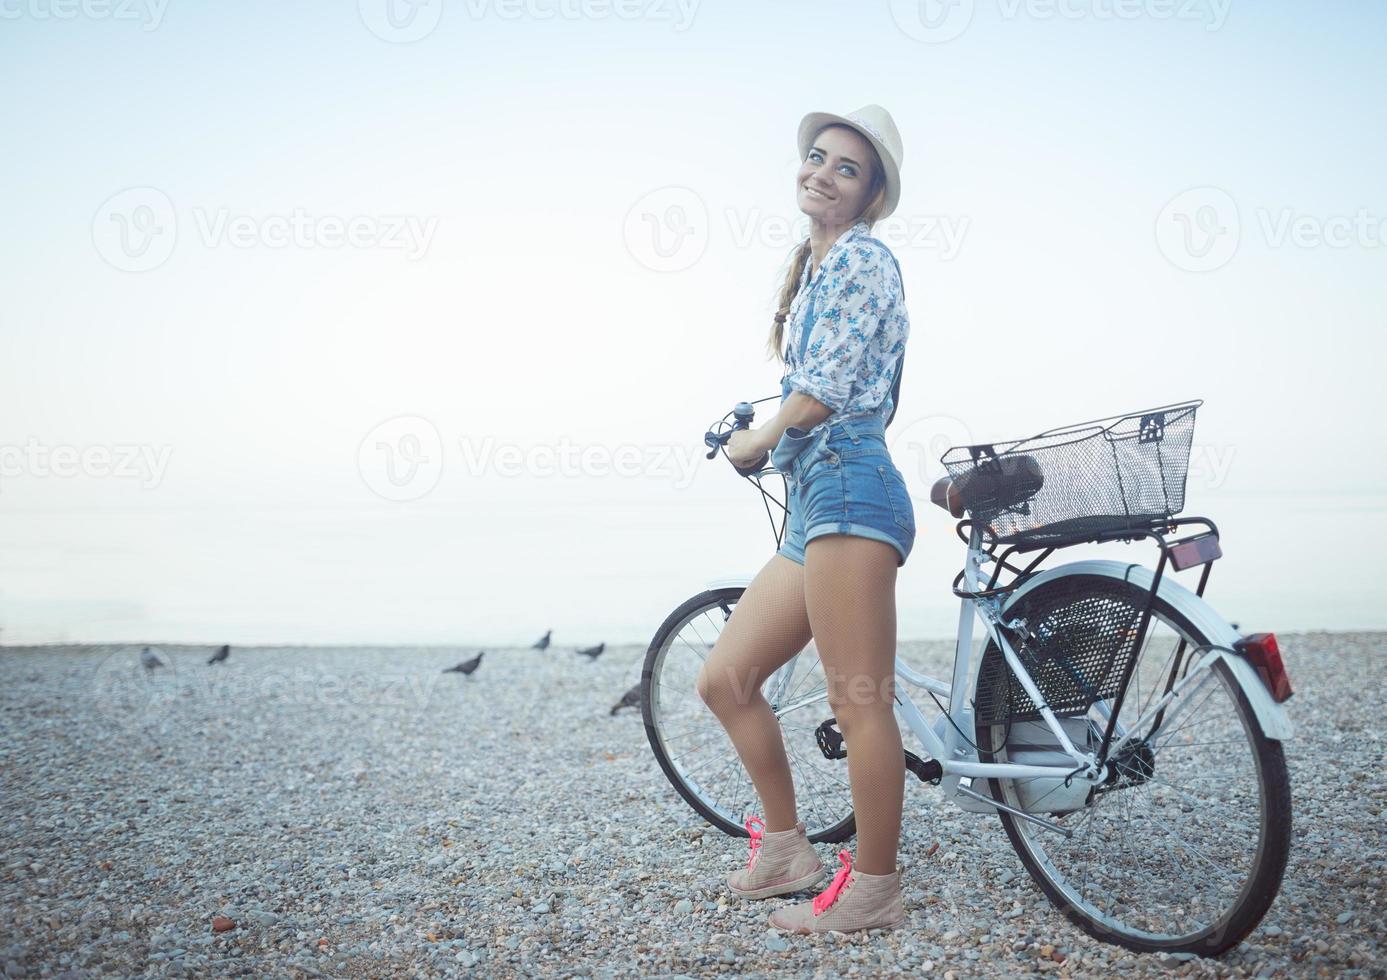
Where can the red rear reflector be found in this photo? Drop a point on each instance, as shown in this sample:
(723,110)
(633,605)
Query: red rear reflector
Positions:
(1263,653)
(1197,550)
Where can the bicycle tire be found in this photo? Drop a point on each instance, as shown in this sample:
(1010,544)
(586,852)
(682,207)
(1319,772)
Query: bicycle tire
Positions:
(655,659)
(1264,878)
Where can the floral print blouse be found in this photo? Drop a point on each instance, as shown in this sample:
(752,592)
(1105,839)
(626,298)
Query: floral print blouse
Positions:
(854,310)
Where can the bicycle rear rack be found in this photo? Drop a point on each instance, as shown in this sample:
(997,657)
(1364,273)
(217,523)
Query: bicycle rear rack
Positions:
(1188,552)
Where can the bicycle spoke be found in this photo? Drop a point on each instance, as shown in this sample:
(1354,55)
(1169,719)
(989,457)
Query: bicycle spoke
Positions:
(1165,669)
(684,734)
(1167,749)
(813,787)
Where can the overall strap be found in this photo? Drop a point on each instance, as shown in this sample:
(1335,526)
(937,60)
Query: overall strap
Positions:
(900,364)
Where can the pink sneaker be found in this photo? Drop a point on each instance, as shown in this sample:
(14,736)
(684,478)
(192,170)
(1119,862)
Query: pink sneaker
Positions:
(781,862)
(852,901)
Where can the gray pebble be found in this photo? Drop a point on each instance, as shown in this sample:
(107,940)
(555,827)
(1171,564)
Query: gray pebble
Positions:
(618,859)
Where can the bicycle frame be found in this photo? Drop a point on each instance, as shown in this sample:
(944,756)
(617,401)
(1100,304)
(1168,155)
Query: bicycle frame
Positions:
(956,756)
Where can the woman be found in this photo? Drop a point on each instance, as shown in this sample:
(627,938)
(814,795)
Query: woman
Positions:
(851,525)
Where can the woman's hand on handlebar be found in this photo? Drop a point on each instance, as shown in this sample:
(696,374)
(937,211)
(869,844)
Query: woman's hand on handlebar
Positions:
(745,451)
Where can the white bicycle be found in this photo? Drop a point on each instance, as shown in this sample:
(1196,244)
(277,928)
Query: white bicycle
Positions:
(1126,735)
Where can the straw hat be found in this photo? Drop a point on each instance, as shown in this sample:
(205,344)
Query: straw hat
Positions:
(877,127)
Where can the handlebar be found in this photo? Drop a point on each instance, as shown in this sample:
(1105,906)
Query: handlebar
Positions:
(742,414)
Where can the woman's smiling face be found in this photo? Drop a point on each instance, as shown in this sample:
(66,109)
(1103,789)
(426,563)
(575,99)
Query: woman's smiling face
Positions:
(834,183)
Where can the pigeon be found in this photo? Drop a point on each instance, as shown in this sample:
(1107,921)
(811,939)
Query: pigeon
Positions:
(543,642)
(631,699)
(592,653)
(149,660)
(467,666)
(220,656)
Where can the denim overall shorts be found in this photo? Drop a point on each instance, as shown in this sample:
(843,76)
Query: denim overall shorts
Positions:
(840,479)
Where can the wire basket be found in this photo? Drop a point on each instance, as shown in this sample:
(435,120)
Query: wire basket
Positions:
(1070,484)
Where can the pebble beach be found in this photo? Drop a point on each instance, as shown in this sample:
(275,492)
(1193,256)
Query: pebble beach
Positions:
(356,812)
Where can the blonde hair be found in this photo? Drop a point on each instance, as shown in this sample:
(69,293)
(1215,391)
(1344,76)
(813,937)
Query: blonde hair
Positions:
(790,287)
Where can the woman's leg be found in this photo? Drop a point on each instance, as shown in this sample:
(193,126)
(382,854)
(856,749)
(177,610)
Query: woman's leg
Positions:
(850,589)
(768,626)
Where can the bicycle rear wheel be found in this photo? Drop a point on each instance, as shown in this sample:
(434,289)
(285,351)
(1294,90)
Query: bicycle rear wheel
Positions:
(693,748)
(1184,848)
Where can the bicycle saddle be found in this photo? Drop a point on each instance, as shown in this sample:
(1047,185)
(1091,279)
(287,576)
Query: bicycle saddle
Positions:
(944,495)
(989,488)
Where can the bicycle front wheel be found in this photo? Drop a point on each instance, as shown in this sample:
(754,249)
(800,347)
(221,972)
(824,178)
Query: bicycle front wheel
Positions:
(1183,848)
(694,749)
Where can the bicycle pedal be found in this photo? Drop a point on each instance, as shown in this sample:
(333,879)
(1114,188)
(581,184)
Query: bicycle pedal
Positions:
(830,740)
(929,770)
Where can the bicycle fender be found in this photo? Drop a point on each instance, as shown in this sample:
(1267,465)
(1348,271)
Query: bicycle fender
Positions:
(1270,715)
(730,582)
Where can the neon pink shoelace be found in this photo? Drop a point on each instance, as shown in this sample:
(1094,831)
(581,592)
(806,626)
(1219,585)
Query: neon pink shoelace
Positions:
(755,839)
(830,894)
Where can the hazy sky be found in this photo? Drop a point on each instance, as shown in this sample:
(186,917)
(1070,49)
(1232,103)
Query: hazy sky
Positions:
(383,322)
